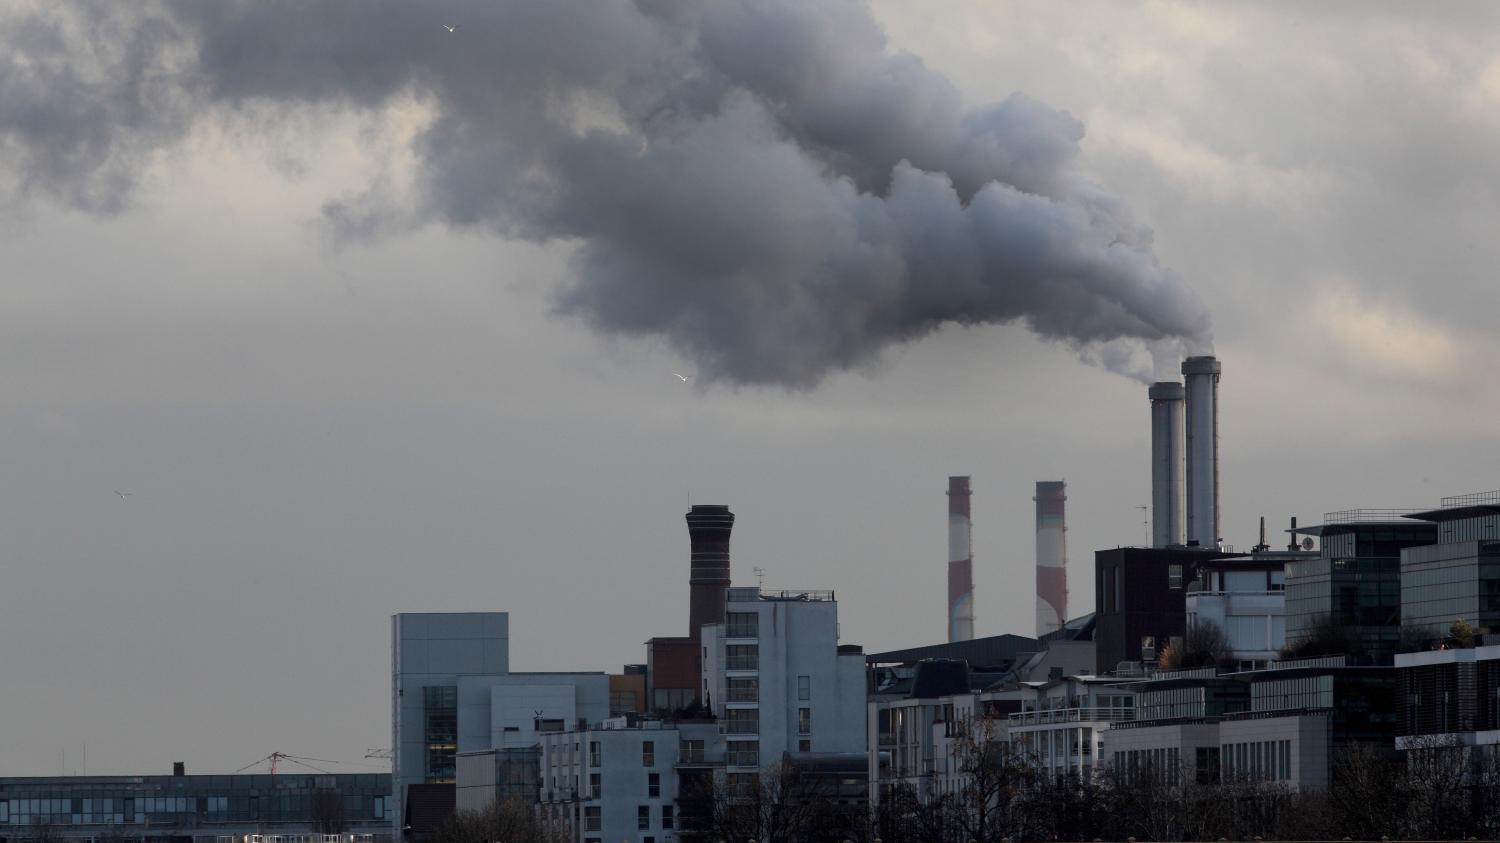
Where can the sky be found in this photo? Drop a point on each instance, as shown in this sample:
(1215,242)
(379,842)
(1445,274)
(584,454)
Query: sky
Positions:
(356,339)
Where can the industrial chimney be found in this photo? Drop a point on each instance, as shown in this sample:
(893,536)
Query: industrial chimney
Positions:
(1202,426)
(1167,525)
(708,583)
(1051,556)
(960,562)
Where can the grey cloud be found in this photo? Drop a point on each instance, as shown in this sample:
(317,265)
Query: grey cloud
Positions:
(765,185)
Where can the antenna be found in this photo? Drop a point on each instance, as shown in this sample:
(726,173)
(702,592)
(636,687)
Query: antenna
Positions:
(760,577)
(1145,524)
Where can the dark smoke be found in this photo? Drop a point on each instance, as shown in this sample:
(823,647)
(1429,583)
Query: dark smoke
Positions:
(762,183)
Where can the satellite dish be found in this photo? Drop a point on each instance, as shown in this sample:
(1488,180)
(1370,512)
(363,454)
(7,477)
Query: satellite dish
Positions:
(1307,543)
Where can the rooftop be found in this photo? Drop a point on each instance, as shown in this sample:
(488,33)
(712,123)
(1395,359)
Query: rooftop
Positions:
(750,593)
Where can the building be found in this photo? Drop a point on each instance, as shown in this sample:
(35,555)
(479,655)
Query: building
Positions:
(960,561)
(779,682)
(1245,596)
(1354,584)
(621,780)
(195,809)
(1140,601)
(674,664)
(1449,698)
(1458,576)
(1285,724)
(916,723)
(430,651)
(1061,723)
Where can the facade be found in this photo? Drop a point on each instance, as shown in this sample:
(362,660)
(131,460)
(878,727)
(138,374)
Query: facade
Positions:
(1458,576)
(778,681)
(511,710)
(1246,597)
(620,781)
(430,651)
(1285,724)
(1449,698)
(1140,601)
(1062,722)
(183,809)
(1355,582)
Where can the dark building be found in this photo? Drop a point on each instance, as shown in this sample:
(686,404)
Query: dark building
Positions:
(1459,575)
(1450,696)
(184,809)
(1354,584)
(1140,600)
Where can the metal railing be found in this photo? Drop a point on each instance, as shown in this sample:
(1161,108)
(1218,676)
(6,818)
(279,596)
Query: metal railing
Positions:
(742,663)
(742,630)
(1357,516)
(741,727)
(741,695)
(742,758)
(743,595)
(1473,499)
(1072,715)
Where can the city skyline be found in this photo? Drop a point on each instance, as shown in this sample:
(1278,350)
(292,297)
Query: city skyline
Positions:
(237,443)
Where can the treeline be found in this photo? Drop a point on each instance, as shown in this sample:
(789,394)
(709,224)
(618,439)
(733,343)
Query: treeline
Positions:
(1374,794)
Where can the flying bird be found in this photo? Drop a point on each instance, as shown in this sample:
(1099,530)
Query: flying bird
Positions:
(123,495)
(682,377)
(449,28)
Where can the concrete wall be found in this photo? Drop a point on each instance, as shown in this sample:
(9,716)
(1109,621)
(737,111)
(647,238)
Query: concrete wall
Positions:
(1309,745)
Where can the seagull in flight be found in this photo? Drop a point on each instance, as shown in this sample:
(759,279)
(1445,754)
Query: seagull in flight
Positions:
(683,378)
(449,28)
(123,495)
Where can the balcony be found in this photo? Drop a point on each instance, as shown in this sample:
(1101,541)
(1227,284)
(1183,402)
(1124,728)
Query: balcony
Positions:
(742,727)
(742,758)
(1072,715)
(742,695)
(752,663)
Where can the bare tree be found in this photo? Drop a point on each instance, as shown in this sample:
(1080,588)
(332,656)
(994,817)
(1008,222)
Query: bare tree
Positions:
(776,805)
(1324,636)
(1203,645)
(510,820)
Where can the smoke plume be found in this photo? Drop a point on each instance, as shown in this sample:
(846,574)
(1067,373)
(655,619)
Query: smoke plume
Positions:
(764,184)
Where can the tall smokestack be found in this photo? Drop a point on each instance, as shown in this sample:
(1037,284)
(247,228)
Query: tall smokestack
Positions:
(708,534)
(1202,425)
(960,562)
(1167,526)
(1051,556)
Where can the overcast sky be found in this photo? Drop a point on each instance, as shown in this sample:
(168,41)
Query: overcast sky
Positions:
(334,390)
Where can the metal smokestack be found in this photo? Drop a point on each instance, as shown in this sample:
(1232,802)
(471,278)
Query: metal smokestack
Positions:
(1167,523)
(1051,556)
(960,562)
(1202,425)
(708,582)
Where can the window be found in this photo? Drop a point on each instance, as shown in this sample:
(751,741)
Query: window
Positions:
(653,785)
(742,721)
(593,753)
(591,818)
(804,721)
(379,806)
(596,790)
(666,816)
(643,816)
(804,745)
(804,687)
(741,657)
(648,753)
(741,625)
(742,689)
(1174,576)
(690,752)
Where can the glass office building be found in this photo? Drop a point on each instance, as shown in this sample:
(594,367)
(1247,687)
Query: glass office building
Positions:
(1355,582)
(1459,575)
(180,809)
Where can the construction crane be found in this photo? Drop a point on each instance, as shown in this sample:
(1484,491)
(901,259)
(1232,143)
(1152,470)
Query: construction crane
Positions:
(277,757)
(378,753)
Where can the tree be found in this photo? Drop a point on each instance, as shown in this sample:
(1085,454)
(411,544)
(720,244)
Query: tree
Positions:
(776,805)
(510,820)
(1324,636)
(1204,645)
(1461,633)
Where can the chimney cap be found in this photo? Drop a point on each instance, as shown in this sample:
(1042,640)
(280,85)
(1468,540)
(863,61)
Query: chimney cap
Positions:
(1202,365)
(1165,391)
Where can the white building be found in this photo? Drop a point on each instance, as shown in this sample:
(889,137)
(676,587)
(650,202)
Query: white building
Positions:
(1245,596)
(430,652)
(775,678)
(619,781)
(1061,723)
